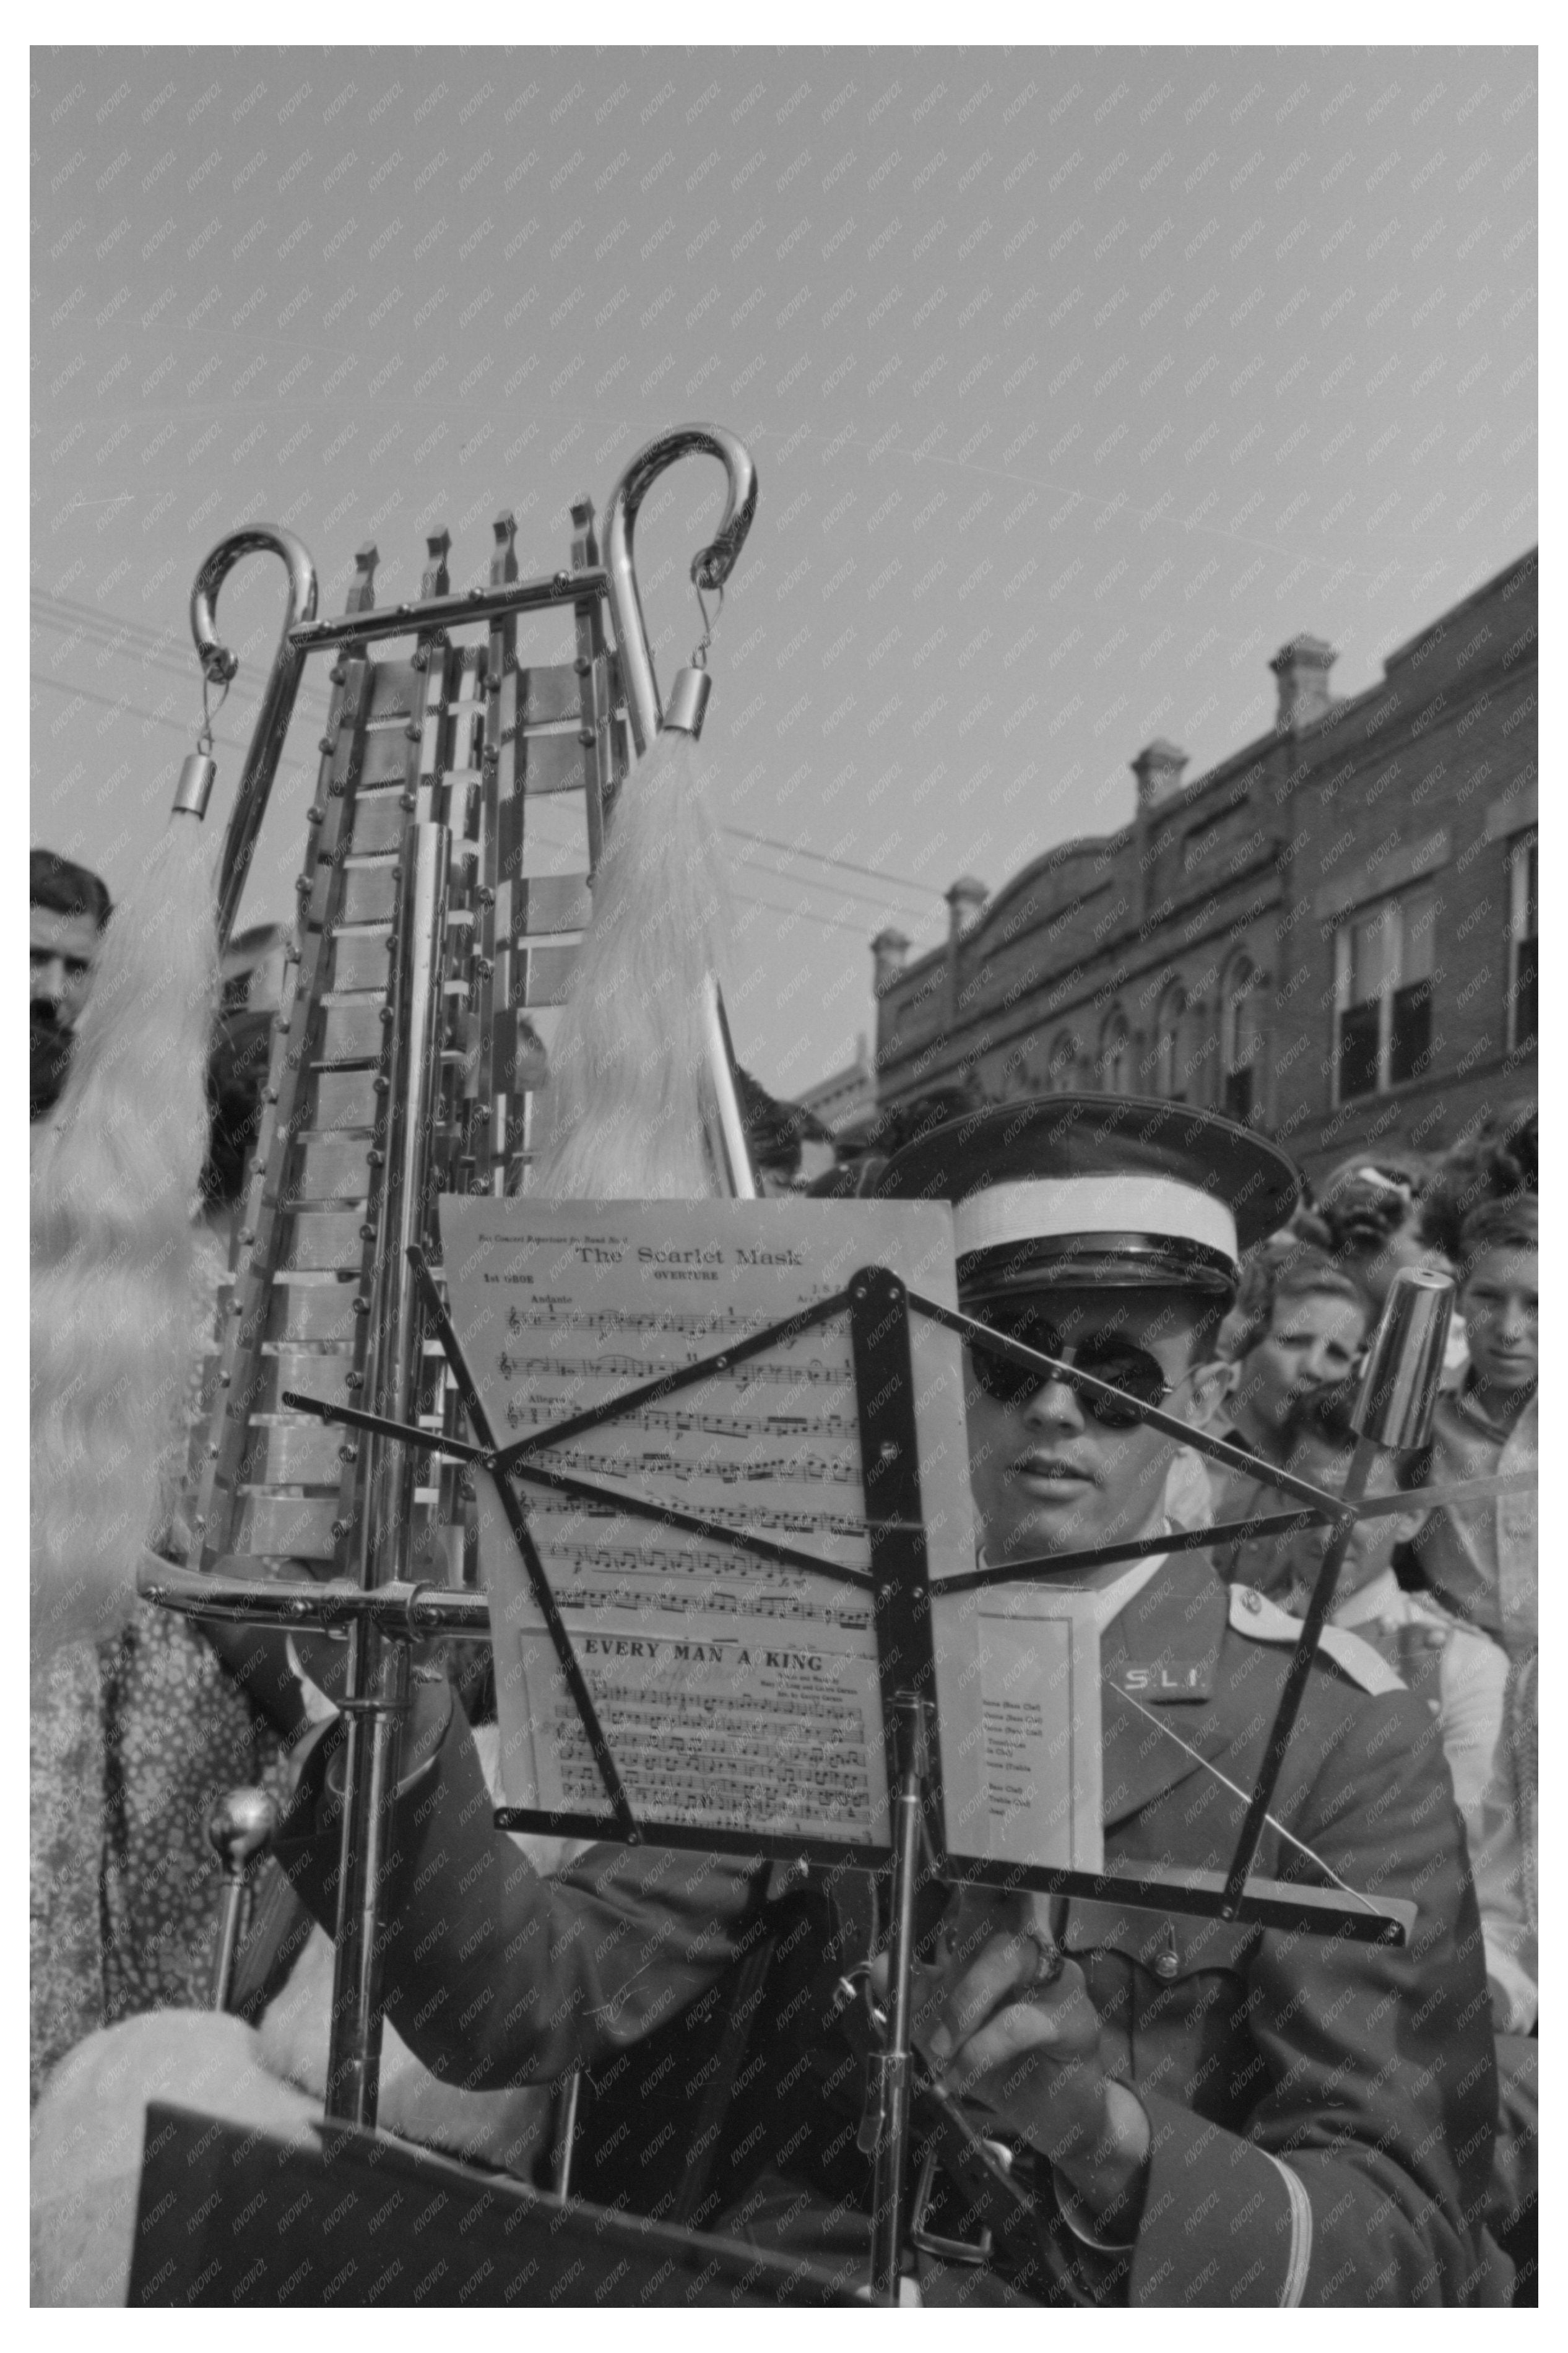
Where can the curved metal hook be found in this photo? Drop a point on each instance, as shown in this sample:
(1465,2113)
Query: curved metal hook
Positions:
(710,566)
(215,660)
(219,666)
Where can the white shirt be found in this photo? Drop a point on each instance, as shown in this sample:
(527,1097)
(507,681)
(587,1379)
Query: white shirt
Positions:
(1112,1587)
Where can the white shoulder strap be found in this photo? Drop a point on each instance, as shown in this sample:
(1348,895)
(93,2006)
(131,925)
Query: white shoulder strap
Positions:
(1253,1614)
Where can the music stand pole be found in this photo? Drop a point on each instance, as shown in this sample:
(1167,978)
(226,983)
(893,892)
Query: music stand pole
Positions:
(891,2065)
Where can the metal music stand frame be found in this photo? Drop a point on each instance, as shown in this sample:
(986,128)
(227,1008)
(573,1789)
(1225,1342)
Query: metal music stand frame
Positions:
(878,1306)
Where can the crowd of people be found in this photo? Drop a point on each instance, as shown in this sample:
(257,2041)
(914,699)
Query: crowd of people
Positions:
(1096,2052)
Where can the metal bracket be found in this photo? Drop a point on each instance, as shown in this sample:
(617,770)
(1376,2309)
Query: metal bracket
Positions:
(933,2242)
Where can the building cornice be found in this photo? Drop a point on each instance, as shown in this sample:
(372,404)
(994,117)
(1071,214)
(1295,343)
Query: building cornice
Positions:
(1447,702)
(946,1050)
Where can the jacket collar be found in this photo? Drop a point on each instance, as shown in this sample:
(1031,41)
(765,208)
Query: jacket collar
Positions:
(1468,1403)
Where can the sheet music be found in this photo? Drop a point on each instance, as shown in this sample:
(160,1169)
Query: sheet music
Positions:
(735,1693)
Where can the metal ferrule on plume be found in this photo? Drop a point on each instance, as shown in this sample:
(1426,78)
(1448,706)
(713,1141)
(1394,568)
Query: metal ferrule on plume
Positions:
(1399,1387)
(687,704)
(194,788)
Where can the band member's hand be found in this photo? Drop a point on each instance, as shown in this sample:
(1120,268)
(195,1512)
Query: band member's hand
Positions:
(1010,2025)
(425,1726)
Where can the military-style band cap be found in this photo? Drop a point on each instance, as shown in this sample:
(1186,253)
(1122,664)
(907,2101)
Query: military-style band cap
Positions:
(1120,1190)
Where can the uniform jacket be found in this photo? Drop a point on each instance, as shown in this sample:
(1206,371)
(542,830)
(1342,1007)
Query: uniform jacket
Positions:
(1322,2110)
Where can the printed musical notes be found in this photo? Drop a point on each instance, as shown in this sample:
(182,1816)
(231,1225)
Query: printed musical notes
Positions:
(661,1462)
(734,1692)
(549,1370)
(717,1733)
(714,1324)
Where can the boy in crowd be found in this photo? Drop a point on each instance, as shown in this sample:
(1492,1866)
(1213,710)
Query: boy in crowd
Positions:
(1479,1559)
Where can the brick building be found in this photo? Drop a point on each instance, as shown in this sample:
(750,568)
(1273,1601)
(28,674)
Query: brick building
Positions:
(846,1101)
(1331,935)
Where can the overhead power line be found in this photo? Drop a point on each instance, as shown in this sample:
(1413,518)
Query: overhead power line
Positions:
(839,891)
(148,649)
(185,727)
(71,617)
(119,634)
(824,858)
(804,915)
(227,744)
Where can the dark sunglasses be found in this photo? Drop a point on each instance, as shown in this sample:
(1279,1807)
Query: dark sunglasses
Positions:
(1105,1356)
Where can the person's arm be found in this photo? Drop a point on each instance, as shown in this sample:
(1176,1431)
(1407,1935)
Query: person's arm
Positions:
(1497,1861)
(1363,2162)
(1028,2053)
(1355,2139)
(493,1975)
(257,1661)
(1474,1677)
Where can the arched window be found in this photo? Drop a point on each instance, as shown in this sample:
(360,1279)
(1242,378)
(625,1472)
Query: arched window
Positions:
(1062,1069)
(1240,1038)
(1172,1072)
(1115,1057)
(1015,1076)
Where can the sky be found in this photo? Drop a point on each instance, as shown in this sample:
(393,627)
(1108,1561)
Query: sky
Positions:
(1078,383)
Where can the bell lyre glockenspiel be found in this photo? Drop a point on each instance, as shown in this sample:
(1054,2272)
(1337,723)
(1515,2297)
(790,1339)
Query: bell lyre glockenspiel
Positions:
(432,939)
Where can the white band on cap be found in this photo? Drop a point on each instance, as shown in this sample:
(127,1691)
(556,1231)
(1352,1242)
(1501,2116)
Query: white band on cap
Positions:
(1039,1207)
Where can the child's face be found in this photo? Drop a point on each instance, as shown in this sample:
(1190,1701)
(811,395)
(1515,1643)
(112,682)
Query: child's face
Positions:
(1499,1302)
(1309,1340)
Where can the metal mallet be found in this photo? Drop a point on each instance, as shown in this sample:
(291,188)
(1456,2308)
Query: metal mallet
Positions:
(240,1827)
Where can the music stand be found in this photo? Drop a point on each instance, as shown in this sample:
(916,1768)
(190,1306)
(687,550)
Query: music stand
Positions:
(878,1306)
(1393,1410)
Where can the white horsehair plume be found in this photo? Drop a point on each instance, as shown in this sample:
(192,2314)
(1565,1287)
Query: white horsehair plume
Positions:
(114,1183)
(629,1091)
